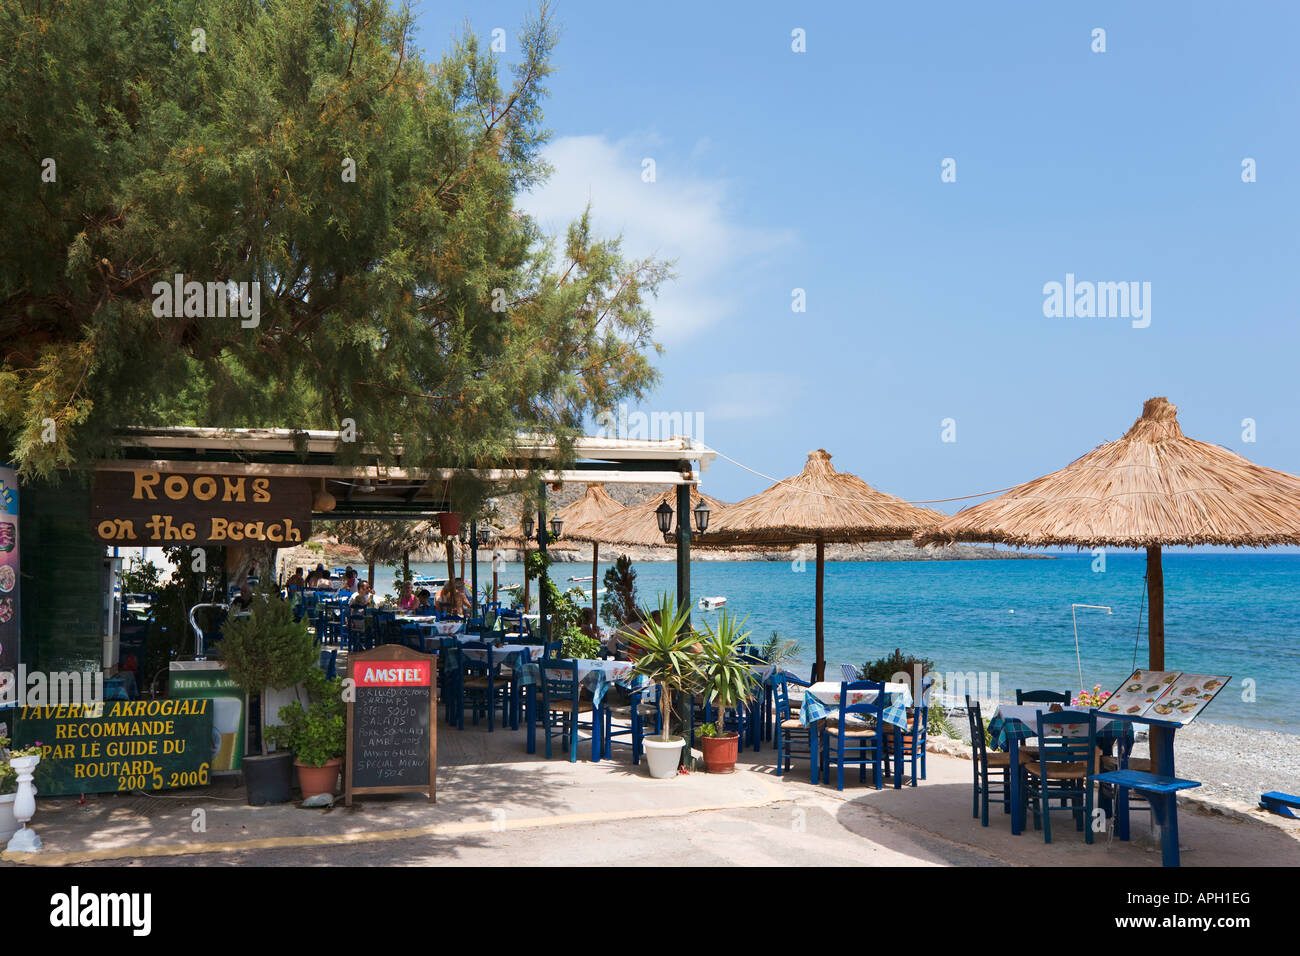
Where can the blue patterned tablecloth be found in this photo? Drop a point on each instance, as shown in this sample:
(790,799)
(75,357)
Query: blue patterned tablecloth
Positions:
(815,708)
(1014,722)
(507,654)
(596,676)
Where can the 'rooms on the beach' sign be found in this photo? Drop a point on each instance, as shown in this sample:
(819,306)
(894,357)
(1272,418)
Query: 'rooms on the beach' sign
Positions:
(158,508)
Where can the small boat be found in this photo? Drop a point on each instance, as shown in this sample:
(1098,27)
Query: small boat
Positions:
(712,603)
(427,581)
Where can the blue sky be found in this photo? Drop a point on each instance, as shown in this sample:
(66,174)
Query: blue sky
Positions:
(778,170)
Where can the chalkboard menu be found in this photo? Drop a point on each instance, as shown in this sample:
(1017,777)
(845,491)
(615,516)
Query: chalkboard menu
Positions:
(392,725)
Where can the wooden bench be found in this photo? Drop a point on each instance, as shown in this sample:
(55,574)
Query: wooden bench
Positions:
(1280,803)
(1160,791)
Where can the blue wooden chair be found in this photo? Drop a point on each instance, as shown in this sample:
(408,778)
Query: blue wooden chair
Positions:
(480,686)
(914,739)
(329,663)
(856,741)
(985,764)
(1064,771)
(560,702)
(1042,697)
(793,739)
(849,672)
(641,708)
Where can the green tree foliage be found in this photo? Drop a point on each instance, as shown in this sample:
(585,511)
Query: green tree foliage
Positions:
(413,298)
(618,608)
(267,648)
(563,608)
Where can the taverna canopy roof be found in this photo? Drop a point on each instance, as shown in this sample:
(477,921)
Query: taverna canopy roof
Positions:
(1154,486)
(637,525)
(818,503)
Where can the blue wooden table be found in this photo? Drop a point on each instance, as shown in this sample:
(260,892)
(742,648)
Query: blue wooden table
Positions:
(1010,725)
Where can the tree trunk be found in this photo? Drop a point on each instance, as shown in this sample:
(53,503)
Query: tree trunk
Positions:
(245,560)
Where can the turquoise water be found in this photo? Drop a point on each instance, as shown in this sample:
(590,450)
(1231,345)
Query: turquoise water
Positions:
(1230,614)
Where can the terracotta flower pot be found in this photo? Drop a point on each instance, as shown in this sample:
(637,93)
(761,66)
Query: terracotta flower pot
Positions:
(449,524)
(314,780)
(720,752)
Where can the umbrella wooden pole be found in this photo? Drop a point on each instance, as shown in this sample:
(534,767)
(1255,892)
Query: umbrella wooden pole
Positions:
(1156,610)
(451,561)
(819,668)
(1161,738)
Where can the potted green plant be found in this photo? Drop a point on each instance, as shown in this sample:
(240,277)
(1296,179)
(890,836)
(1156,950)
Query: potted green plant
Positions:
(265,650)
(316,734)
(666,653)
(726,680)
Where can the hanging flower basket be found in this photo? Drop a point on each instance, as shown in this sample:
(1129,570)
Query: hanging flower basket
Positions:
(449,524)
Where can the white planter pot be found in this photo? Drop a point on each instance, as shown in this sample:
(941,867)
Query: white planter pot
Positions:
(8,822)
(663,756)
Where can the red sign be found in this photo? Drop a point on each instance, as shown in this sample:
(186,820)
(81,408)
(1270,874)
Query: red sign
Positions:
(393,674)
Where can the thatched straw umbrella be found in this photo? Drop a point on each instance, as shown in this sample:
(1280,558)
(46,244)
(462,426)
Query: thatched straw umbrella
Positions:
(637,526)
(818,505)
(594,506)
(1151,488)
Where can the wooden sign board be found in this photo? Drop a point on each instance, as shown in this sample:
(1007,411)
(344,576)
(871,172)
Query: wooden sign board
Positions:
(158,509)
(119,745)
(392,723)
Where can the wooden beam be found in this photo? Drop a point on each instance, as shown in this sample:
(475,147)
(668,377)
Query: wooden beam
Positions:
(612,476)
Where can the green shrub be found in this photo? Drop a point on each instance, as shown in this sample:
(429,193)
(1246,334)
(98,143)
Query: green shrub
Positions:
(317,733)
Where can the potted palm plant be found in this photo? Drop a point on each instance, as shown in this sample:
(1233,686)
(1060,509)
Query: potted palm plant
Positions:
(666,652)
(726,680)
(267,650)
(315,734)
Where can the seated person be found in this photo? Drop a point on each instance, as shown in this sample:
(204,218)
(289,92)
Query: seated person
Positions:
(463,603)
(424,603)
(407,600)
(363,596)
(243,601)
(446,602)
(297,580)
(589,625)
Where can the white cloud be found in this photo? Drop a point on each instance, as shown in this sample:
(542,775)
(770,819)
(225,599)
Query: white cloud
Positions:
(679,216)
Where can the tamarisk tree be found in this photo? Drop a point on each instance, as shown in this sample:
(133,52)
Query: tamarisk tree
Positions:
(279,212)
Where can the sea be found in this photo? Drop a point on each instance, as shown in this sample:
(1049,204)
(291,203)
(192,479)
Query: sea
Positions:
(1234,615)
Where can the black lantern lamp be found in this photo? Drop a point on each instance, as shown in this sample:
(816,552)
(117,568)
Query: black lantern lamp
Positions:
(664,515)
(526,522)
(701,517)
(482,536)
(557,525)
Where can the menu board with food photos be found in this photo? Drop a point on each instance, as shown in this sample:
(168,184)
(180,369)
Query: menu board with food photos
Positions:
(1164,695)
(9,630)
